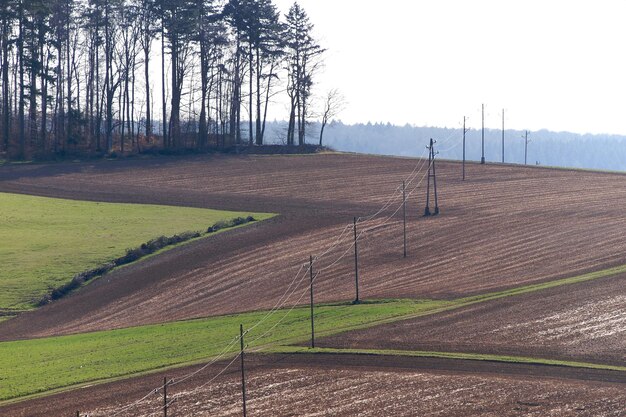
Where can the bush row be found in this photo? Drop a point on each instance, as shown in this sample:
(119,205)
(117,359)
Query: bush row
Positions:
(133,255)
(238,221)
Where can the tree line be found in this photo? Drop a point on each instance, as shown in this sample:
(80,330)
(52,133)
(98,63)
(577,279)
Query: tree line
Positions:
(545,148)
(76,75)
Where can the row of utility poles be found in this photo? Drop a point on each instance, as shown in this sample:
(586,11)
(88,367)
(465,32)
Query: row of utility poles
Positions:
(482,158)
(432,175)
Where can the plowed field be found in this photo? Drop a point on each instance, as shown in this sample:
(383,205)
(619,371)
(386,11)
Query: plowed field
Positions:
(503,227)
(347,385)
(582,322)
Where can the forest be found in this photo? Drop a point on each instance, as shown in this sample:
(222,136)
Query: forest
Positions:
(545,147)
(81,76)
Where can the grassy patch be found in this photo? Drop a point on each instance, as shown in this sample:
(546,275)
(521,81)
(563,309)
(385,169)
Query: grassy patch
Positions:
(450,355)
(542,286)
(47,241)
(149,248)
(33,366)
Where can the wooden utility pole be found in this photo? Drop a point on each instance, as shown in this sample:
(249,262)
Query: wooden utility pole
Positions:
(482,159)
(502,135)
(165,396)
(435,182)
(243,373)
(312,322)
(404,213)
(356,265)
(526,148)
(465,130)
(432,173)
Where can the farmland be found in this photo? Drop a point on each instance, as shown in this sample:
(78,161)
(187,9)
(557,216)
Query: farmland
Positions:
(520,258)
(506,226)
(584,321)
(352,385)
(51,363)
(52,239)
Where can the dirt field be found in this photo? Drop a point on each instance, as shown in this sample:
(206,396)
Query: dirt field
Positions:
(503,227)
(583,322)
(304,385)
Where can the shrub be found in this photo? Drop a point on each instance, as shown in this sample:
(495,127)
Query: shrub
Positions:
(133,254)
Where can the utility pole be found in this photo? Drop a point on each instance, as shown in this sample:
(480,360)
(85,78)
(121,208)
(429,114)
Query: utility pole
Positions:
(502,135)
(164,396)
(464,132)
(432,173)
(526,148)
(356,266)
(243,374)
(312,322)
(404,213)
(482,159)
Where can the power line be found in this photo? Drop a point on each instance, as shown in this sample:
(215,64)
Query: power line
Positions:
(279,304)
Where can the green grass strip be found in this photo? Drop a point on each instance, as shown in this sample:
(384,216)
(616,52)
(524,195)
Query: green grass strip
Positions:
(47,240)
(449,355)
(42,365)
(39,365)
(542,286)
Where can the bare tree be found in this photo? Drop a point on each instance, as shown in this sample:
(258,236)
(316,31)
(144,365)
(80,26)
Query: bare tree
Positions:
(334,103)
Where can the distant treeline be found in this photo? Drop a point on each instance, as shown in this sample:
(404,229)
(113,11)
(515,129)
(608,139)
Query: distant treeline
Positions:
(564,149)
(76,75)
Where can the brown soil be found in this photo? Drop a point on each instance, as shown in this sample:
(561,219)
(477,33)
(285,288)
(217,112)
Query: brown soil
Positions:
(503,227)
(583,322)
(306,385)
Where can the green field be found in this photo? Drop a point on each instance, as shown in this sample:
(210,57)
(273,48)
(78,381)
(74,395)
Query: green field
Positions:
(41,365)
(46,241)
(36,366)
(32,366)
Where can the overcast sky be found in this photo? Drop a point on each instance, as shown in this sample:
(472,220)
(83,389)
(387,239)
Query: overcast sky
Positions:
(551,64)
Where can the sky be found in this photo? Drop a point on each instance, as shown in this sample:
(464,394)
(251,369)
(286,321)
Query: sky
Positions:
(551,64)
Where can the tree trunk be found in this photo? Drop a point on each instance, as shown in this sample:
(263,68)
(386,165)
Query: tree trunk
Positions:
(163,102)
(6,108)
(98,92)
(292,125)
(32,111)
(146,53)
(235,113)
(202,128)
(251,65)
(108,52)
(267,99)
(176,94)
(20,47)
(90,94)
(44,101)
(70,60)
(259,135)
